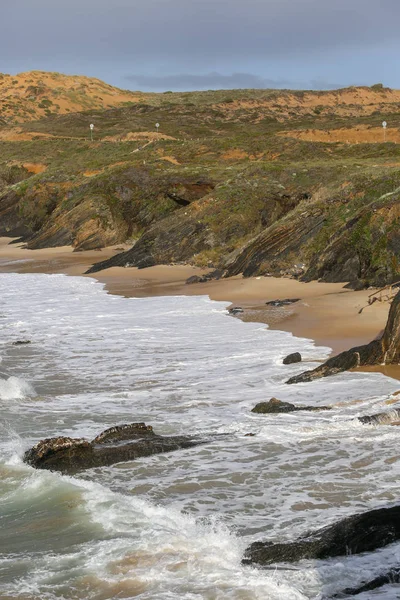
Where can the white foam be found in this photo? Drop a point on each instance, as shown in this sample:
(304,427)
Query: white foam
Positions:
(179,522)
(15,388)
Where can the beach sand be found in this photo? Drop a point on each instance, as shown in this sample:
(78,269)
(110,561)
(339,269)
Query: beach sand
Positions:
(326,312)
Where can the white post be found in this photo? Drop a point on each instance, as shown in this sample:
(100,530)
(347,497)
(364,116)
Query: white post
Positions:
(91,131)
(384,125)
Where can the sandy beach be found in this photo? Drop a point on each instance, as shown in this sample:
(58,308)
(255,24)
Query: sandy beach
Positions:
(325,312)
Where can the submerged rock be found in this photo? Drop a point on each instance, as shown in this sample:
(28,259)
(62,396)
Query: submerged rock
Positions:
(383,418)
(384,351)
(392,576)
(117,444)
(355,534)
(275,406)
(295,357)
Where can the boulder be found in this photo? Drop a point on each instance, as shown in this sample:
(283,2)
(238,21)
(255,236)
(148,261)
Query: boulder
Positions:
(275,406)
(383,351)
(358,533)
(117,444)
(295,357)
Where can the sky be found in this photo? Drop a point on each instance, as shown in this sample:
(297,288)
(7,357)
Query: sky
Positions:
(162,45)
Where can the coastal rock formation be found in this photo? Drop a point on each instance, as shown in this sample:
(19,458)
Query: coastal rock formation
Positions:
(275,406)
(295,357)
(384,351)
(117,444)
(355,534)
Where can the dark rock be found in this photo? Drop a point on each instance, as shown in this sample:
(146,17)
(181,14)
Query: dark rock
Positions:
(196,279)
(216,274)
(385,350)
(235,310)
(363,532)
(275,406)
(284,302)
(295,357)
(21,342)
(383,418)
(117,444)
(392,576)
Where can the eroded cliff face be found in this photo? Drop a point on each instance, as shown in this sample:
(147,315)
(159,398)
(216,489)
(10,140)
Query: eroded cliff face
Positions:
(204,230)
(104,210)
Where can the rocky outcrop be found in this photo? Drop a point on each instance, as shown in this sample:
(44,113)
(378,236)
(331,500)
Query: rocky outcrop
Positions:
(271,250)
(363,251)
(384,351)
(364,532)
(117,444)
(275,406)
(290,359)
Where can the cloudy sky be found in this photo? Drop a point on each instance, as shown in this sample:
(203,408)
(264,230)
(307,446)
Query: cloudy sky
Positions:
(159,45)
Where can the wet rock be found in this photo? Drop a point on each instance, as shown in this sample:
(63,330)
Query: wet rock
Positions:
(363,532)
(392,576)
(383,418)
(295,357)
(21,342)
(383,351)
(117,444)
(285,302)
(235,310)
(275,406)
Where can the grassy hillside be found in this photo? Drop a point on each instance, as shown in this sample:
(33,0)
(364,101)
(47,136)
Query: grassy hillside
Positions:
(253,181)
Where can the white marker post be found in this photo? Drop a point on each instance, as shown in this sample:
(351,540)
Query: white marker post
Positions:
(384,125)
(157,126)
(91,131)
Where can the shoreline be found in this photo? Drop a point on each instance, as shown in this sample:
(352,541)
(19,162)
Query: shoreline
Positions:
(326,312)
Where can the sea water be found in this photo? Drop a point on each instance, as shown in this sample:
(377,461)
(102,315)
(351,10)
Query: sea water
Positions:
(176,525)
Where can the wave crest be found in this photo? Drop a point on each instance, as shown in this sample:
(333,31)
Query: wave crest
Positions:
(14,388)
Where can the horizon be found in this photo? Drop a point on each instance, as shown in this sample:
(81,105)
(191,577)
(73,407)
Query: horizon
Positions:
(183,91)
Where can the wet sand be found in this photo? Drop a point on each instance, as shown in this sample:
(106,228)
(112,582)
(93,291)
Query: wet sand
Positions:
(326,312)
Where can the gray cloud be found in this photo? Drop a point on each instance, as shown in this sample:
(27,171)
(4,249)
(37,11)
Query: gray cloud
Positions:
(131,29)
(271,38)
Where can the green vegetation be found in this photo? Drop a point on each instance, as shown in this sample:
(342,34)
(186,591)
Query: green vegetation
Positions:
(220,167)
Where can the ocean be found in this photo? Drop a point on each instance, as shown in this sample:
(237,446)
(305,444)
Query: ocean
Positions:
(176,525)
